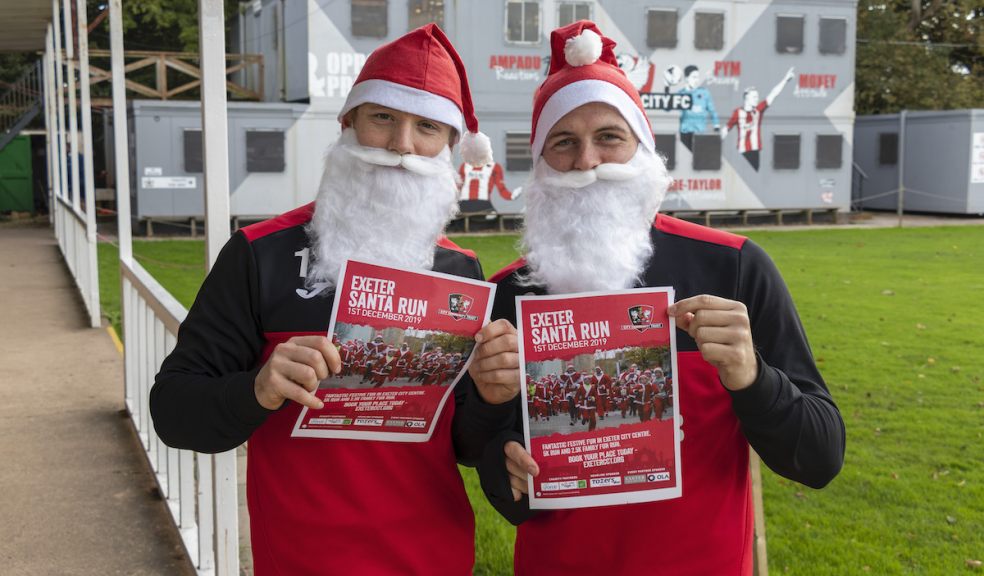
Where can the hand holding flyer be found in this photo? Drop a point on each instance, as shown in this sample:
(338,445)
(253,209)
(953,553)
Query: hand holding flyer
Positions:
(600,416)
(405,338)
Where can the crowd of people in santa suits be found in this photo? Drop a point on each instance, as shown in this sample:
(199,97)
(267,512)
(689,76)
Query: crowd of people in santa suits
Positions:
(379,363)
(590,397)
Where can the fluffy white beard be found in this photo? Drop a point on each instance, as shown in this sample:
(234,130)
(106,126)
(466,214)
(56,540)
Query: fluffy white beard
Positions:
(590,230)
(379,206)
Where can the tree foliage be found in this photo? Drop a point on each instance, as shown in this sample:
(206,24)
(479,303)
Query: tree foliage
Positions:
(166,25)
(919,55)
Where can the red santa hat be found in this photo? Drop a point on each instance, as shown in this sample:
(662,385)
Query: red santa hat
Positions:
(421,73)
(583,69)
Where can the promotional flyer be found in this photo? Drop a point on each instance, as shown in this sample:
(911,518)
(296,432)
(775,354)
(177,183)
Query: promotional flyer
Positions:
(405,338)
(600,411)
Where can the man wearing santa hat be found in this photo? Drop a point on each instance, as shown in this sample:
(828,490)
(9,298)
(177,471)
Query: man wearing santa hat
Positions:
(747,376)
(253,348)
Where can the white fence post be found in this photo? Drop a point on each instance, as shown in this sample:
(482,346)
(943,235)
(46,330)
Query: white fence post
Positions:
(211,29)
(91,256)
(73,119)
(51,121)
(59,102)
(121,145)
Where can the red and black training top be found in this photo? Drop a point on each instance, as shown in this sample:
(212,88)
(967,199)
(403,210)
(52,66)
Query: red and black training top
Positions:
(316,506)
(787,415)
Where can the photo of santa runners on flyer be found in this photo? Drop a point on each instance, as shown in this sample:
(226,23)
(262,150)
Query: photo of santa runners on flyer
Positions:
(405,338)
(374,358)
(614,388)
(600,410)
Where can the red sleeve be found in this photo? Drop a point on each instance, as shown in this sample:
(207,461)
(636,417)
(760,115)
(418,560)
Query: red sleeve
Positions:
(499,182)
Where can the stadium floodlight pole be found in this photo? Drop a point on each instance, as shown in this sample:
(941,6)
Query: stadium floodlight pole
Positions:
(89,179)
(121,145)
(901,153)
(73,109)
(215,151)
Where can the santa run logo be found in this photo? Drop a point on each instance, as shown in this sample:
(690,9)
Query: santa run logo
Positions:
(641,317)
(458,307)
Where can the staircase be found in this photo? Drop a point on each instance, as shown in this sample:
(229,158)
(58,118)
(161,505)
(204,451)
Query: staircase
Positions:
(20,104)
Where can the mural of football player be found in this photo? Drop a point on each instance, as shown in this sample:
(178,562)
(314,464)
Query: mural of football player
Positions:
(640,71)
(477,183)
(748,119)
(695,120)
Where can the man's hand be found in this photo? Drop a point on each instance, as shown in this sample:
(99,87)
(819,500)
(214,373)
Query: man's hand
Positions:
(495,364)
(723,334)
(519,463)
(294,370)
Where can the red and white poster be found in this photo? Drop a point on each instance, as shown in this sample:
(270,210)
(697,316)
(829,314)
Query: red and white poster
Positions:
(405,338)
(600,411)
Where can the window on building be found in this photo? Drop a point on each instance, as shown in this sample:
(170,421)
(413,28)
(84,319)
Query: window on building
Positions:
(666,147)
(518,155)
(833,35)
(786,151)
(829,150)
(789,34)
(369,18)
(707,152)
(193,151)
(570,12)
(264,151)
(709,31)
(661,28)
(522,21)
(423,12)
(888,148)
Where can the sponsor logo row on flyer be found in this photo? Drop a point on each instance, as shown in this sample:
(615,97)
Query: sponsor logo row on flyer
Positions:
(604,481)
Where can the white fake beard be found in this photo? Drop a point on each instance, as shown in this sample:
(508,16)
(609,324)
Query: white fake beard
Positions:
(379,206)
(590,230)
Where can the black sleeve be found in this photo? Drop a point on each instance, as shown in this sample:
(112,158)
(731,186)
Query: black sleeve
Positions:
(494,478)
(491,466)
(476,422)
(203,397)
(787,414)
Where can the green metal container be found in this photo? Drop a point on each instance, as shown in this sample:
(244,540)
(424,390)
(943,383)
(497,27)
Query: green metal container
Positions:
(16,192)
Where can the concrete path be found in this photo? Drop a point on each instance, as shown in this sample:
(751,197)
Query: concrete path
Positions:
(76,493)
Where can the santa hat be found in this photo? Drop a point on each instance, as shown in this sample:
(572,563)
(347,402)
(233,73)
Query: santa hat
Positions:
(421,73)
(583,69)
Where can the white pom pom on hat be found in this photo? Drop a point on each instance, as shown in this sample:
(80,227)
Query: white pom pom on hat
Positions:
(583,70)
(583,49)
(476,149)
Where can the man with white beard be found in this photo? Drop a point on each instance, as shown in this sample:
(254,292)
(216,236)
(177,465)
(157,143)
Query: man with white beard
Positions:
(746,374)
(254,347)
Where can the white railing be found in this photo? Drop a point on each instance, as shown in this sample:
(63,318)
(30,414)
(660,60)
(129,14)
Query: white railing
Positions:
(200,490)
(188,481)
(79,250)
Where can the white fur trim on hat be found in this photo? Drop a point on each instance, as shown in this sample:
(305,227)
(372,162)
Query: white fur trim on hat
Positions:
(476,149)
(583,49)
(584,92)
(404,99)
